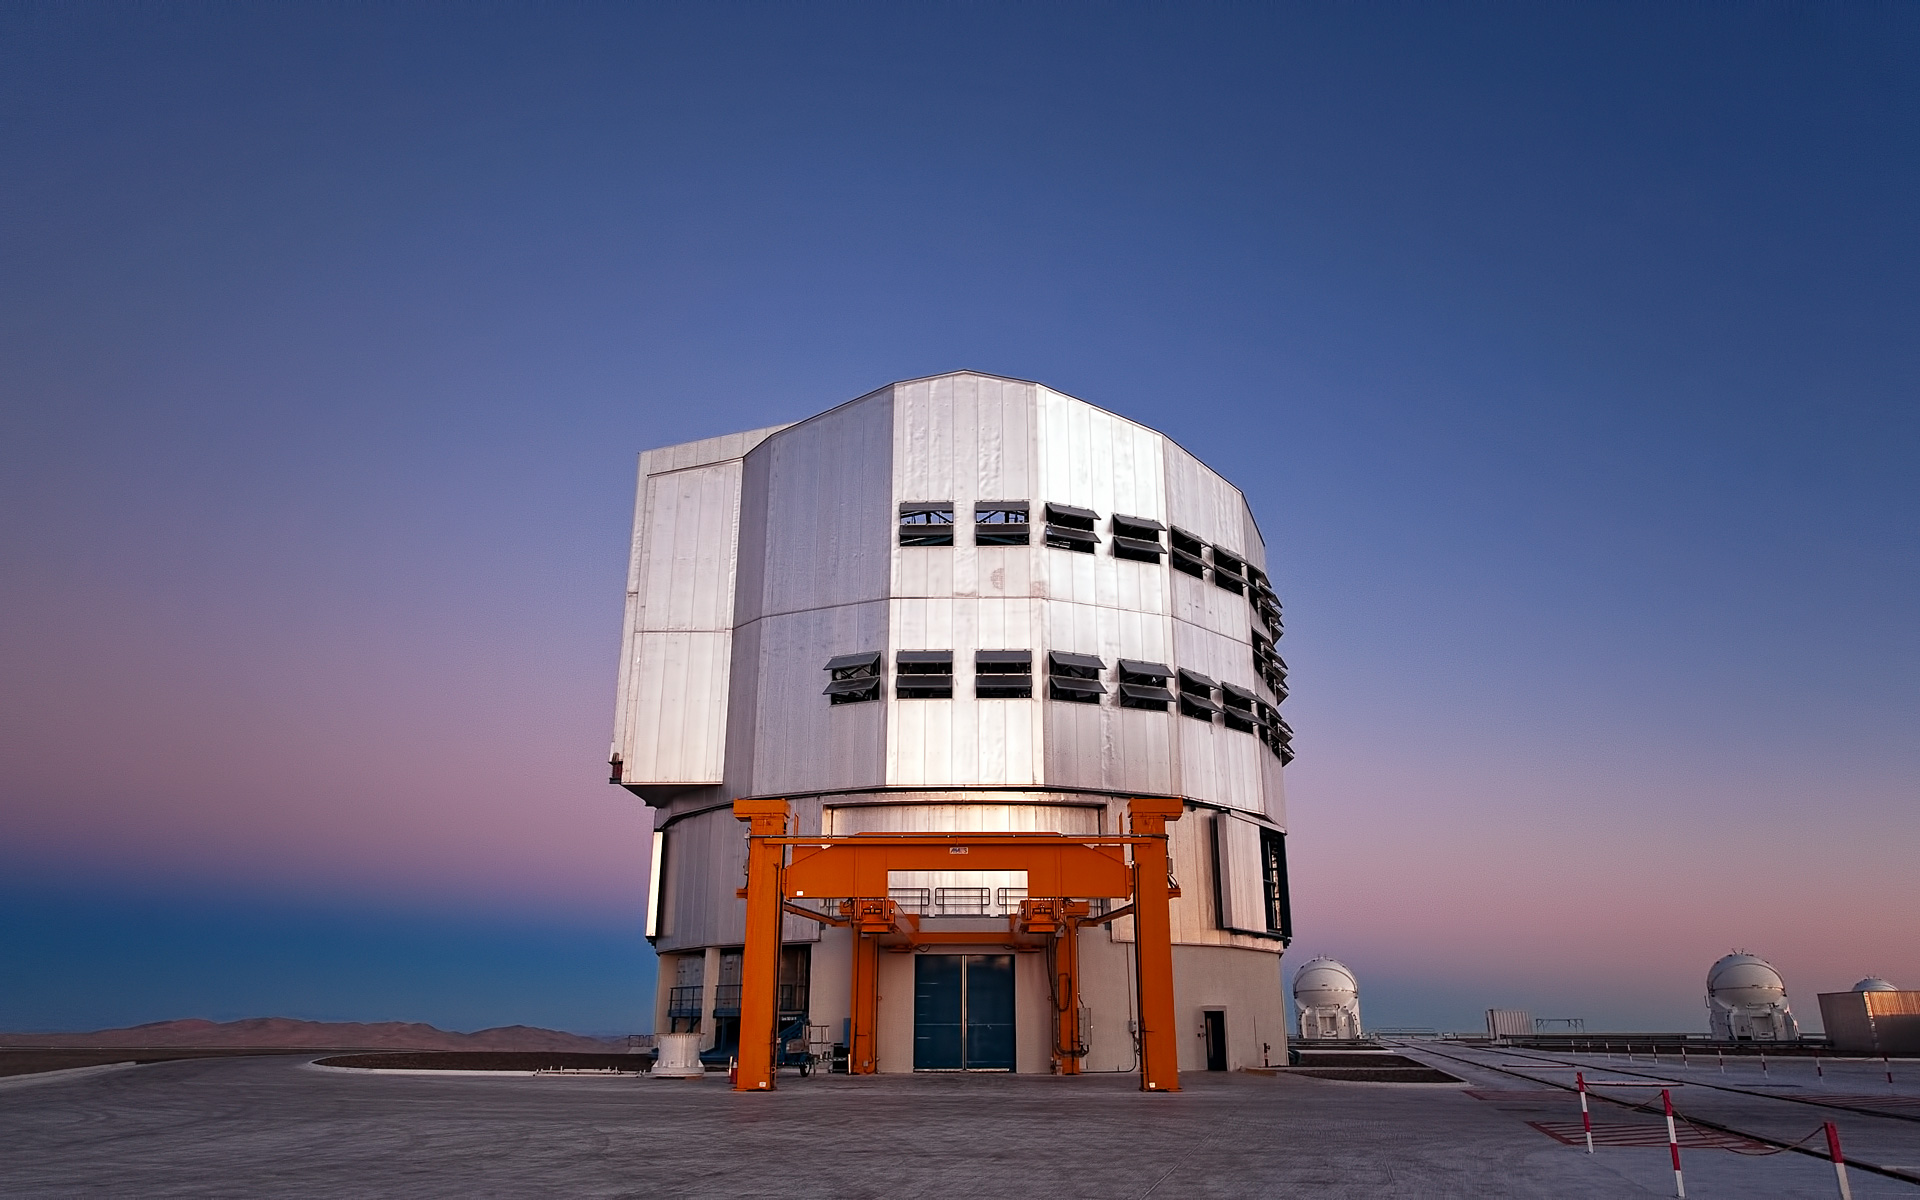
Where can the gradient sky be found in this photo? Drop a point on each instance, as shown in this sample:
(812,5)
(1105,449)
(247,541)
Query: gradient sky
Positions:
(1567,354)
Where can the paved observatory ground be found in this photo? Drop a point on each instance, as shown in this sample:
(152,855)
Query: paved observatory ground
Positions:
(277,1126)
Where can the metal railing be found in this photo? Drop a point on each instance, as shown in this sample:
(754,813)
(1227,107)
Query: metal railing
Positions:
(962,901)
(685,1001)
(913,900)
(791,998)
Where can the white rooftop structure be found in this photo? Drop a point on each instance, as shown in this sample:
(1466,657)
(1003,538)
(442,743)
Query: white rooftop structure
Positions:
(1747,1001)
(1327,997)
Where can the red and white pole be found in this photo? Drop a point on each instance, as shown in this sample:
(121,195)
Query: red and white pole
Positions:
(1818,1070)
(1839,1163)
(1763,1067)
(1586,1119)
(1673,1144)
(1722,1056)
(1888,1064)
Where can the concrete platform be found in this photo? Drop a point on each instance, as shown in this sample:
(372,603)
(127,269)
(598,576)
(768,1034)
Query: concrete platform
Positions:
(276,1126)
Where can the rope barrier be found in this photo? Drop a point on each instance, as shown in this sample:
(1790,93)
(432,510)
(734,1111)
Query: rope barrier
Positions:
(1702,1125)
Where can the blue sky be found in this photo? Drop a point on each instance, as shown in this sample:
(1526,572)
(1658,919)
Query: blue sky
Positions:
(1566,354)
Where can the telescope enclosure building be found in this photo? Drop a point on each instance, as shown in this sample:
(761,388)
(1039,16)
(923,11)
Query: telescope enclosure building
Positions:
(963,603)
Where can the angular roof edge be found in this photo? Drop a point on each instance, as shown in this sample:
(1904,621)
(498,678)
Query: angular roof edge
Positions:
(700,452)
(774,429)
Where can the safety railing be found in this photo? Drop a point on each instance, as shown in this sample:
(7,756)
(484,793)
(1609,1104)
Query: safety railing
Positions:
(911,899)
(962,901)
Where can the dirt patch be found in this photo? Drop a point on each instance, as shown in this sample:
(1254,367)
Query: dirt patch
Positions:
(33,1062)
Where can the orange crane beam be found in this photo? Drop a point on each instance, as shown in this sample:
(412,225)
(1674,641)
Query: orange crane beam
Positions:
(1060,870)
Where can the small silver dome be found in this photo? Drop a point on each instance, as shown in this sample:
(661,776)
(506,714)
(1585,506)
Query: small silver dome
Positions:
(1324,981)
(1745,979)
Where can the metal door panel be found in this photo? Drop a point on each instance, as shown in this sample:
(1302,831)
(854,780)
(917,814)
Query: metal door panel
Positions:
(989,1012)
(938,1013)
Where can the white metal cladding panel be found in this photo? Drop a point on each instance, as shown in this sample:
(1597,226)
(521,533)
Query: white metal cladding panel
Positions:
(1273,787)
(678,734)
(1201,502)
(743,703)
(630,621)
(1217,764)
(1199,602)
(750,569)
(680,580)
(704,451)
(674,715)
(1250,534)
(963,438)
(829,510)
(706,857)
(1241,883)
(1104,746)
(1190,848)
(706,860)
(801,742)
(692,524)
(963,741)
(1096,460)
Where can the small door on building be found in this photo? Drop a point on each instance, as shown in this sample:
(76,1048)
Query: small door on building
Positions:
(963,1012)
(1216,1039)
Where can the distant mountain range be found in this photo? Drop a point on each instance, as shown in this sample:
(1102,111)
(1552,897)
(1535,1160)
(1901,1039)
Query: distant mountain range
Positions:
(284,1033)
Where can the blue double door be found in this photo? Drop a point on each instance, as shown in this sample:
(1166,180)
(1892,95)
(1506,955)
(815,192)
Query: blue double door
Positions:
(963,1012)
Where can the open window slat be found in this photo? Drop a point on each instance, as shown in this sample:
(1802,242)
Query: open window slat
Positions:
(926,523)
(1001,523)
(1003,674)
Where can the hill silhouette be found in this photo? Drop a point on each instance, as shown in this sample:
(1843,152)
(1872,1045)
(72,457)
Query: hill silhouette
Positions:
(286,1033)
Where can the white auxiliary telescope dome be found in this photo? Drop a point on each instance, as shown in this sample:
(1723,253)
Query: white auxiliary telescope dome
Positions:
(1328,998)
(1747,1001)
(1873,983)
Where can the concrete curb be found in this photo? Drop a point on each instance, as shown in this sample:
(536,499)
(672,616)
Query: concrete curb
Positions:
(317,1066)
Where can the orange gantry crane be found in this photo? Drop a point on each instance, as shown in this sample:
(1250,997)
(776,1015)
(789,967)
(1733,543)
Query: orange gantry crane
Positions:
(1064,872)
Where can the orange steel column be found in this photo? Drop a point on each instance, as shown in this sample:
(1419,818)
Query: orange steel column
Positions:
(1067,965)
(1153,957)
(861,1058)
(760,961)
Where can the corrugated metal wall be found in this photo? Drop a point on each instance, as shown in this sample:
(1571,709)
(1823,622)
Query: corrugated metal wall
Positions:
(671,712)
(816,544)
